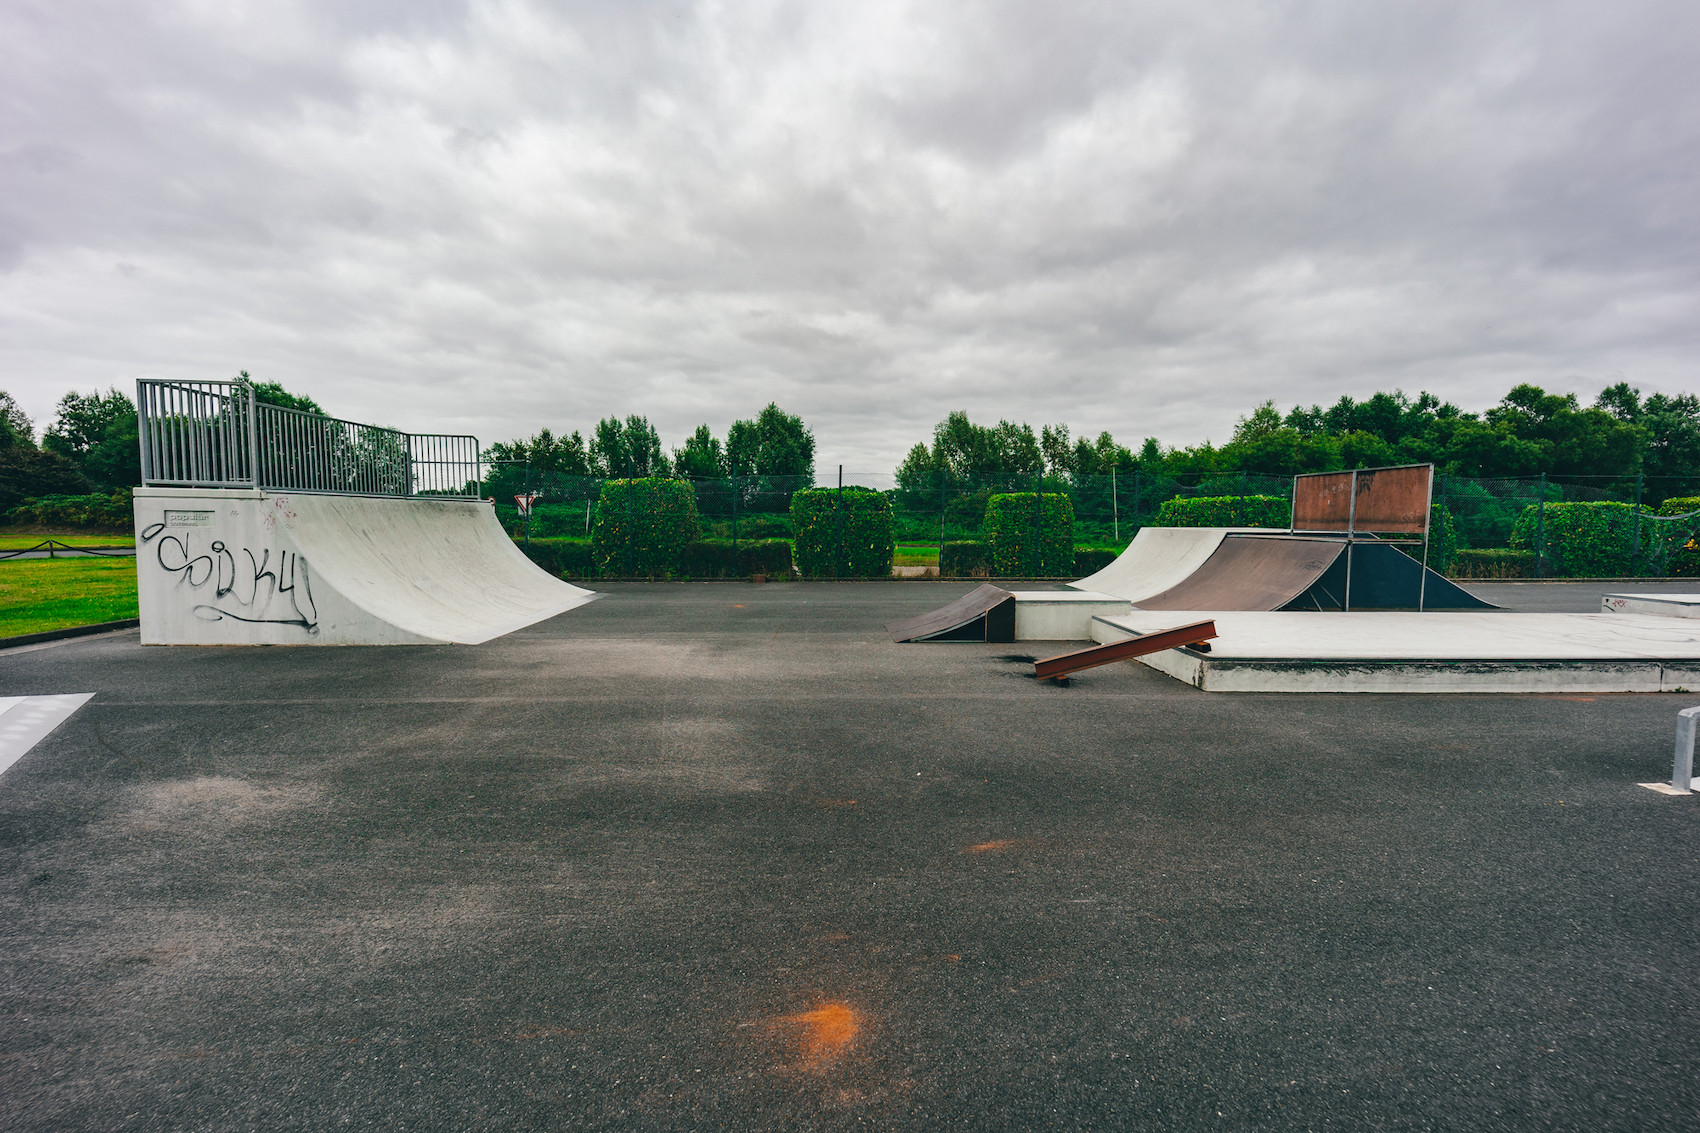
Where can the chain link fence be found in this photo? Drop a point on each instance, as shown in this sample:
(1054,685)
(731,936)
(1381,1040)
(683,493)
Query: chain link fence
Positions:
(1536,527)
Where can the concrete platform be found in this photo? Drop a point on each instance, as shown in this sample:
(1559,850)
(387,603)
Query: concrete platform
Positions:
(1427,652)
(1659,605)
(1062,615)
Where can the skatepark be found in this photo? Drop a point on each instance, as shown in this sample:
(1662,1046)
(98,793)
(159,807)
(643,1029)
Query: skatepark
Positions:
(728,855)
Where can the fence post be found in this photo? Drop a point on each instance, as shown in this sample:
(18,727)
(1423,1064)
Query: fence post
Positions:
(1035,557)
(942,505)
(1242,498)
(1115,511)
(838,517)
(1136,496)
(735,564)
(1541,531)
(631,568)
(528,501)
(1635,537)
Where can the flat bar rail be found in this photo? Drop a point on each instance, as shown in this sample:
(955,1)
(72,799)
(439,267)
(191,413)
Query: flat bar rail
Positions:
(216,435)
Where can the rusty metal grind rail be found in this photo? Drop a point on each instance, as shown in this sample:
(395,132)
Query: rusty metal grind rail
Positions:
(1061,666)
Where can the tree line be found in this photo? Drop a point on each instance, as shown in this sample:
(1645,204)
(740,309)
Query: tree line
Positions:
(91,444)
(773,443)
(1528,433)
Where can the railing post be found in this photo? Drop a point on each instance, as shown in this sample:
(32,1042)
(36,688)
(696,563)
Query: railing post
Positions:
(253,437)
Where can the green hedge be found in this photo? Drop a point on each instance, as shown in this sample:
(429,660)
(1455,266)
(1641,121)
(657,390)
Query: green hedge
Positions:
(965,558)
(1587,540)
(712,558)
(1492,563)
(1225,511)
(98,510)
(1091,560)
(1027,544)
(856,544)
(642,527)
(563,558)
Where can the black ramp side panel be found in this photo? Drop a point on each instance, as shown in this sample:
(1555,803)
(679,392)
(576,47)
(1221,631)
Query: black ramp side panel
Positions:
(1385,578)
(983,614)
(1251,573)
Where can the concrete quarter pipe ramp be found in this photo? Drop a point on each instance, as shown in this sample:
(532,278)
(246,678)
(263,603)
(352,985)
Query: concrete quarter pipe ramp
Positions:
(247,567)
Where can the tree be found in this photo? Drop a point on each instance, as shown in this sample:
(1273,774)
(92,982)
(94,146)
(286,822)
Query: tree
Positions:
(776,443)
(1059,454)
(702,458)
(272,393)
(627,449)
(98,434)
(15,425)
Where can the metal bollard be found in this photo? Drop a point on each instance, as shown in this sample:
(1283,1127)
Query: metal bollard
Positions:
(1682,769)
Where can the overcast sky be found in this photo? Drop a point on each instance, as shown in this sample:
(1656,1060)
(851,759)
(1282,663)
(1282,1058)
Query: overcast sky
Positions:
(1141,217)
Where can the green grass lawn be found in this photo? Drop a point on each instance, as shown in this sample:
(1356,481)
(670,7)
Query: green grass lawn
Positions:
(916,554)
(12,542)
(37,595)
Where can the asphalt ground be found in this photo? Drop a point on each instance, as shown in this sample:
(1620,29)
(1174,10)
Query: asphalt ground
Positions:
(722,856)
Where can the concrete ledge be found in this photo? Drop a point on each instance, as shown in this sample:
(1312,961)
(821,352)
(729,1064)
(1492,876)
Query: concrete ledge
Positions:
(70,631)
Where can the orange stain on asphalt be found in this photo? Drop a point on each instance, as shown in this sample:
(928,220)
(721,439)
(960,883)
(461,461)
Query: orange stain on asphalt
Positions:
(827,1029)
(986,847)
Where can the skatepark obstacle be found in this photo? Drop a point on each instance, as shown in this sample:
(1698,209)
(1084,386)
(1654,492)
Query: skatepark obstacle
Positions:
(258,525)
(1063,665)
(986,613)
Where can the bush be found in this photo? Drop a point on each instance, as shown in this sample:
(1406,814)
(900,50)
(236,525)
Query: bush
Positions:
(1091,560)
(965,559)
(1442,541)
(1021,546)
(1225,511)
(642,527)
(856,543)
(100,510)
(712,558)
(1492,563)
(1587,540)
(563,558)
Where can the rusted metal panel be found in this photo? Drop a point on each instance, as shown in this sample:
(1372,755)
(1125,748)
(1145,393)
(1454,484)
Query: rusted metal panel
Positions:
(1371,499)
(1250,572)
(1065,663)
(986,613)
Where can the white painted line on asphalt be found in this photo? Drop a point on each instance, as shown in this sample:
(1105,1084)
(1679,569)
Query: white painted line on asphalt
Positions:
(26,720)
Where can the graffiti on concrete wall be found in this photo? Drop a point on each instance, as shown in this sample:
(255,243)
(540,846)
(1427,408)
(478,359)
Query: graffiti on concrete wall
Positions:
(270,587)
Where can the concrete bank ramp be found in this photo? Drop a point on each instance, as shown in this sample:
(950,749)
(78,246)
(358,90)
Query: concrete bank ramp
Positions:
(243,567)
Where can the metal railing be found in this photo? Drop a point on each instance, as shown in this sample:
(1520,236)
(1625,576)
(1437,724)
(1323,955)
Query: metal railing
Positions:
(216,435)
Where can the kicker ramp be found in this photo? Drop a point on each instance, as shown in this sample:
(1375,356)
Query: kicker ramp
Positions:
(245,567)
(986,613)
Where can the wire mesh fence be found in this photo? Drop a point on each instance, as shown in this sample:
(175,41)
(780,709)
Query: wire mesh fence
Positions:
(1535,527)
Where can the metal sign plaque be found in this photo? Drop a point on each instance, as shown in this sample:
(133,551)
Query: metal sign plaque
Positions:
(1369,499)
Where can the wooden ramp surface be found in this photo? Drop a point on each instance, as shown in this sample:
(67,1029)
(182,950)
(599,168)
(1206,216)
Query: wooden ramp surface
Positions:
(986,613)
(1251,573)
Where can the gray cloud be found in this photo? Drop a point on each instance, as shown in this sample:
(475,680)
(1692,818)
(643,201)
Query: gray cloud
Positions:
(496,216)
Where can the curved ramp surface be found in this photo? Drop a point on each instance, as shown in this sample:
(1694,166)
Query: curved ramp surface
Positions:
(986,613)
(1158,559)
(1249,573)
(247,568)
